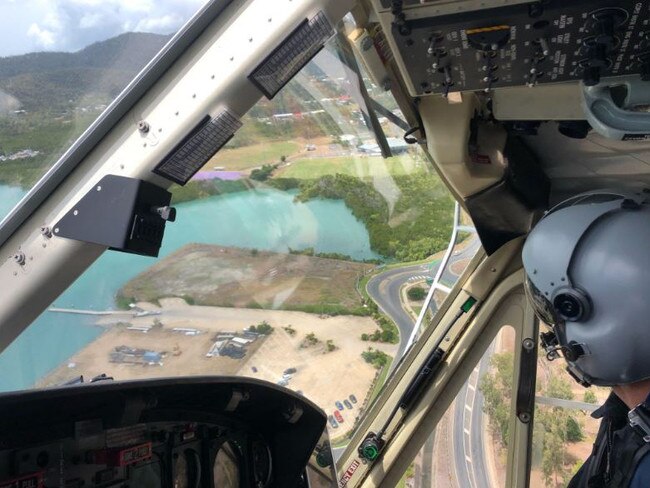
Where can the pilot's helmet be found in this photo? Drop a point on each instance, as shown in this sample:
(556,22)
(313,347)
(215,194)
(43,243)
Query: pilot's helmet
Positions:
(587,266)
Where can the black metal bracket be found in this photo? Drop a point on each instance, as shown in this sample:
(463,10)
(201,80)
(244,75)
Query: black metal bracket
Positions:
(123,214)
(526,383)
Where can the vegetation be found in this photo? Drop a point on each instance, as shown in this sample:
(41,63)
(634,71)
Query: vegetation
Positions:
(263,173)
(377,358)
(330,346)
(263,328)
(423,209)
(359,167)
(237,156)
(554,426)
(590,397)
(309,341)
(416,293)
(57,81)
(195,190)
(309,251)
(290,330)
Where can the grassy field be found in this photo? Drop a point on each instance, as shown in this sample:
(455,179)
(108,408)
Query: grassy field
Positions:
(247,157)
(246,278)
(359,166)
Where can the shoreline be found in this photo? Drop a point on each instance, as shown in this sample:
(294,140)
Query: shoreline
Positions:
(324,377)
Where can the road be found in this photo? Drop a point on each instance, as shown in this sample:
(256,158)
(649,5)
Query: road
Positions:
(468,442)
(385,288)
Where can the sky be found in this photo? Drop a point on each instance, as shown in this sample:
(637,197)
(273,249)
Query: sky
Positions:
(70,25)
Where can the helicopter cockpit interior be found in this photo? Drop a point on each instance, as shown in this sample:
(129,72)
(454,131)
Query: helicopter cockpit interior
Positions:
(337,194)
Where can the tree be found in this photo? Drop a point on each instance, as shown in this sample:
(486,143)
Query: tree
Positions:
(573,430)
(377,358)
(329,344)
(553,459)
(496,387)
(560,388)
(262,328)
(416,293)
(590,397)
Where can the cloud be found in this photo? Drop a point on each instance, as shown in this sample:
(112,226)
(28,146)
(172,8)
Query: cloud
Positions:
(157,24)
(43,37)
(70,25)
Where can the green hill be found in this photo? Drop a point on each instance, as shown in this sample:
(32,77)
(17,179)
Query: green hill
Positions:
(58,80)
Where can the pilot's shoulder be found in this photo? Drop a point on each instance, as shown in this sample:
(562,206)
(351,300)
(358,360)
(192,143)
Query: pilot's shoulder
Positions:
(641,477)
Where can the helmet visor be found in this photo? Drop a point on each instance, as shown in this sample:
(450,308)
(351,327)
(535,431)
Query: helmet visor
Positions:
(541,305)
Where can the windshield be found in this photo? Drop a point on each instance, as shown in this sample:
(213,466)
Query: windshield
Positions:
(62,62)
(299,256)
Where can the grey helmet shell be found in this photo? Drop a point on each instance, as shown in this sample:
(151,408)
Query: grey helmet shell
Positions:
(596,247)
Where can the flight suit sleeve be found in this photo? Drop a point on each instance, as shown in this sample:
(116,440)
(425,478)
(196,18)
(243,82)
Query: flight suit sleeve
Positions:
(641,477)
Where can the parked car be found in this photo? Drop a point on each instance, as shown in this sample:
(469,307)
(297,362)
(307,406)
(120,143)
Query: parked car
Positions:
(339,405)
(333,421)
(338,416)
(290,371)
(353,399)
(283,382)
(347,404)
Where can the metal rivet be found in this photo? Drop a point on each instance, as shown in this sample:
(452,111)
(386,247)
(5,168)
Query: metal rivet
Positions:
(19,258)
(528,344)
(494,270)
(75,213)
(99,187)
(56,231)
(143,126)
(524,417)
(46,231)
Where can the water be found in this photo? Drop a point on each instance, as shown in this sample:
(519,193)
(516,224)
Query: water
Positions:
(262,219)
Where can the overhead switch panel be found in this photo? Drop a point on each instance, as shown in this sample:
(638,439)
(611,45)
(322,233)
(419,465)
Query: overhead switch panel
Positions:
(523,44)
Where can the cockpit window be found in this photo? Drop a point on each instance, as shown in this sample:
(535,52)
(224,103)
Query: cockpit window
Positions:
(62,63)
(299,256)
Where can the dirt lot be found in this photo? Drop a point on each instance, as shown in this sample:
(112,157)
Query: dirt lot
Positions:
(324,377)
(232,277)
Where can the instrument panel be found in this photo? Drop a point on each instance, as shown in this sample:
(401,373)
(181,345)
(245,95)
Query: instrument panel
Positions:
(521,44)
(189,433)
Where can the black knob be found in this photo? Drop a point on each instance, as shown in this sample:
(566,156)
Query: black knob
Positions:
(645,71)
(591,76)
(603,29)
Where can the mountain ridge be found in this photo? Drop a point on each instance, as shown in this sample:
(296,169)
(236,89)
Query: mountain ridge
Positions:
(59,80)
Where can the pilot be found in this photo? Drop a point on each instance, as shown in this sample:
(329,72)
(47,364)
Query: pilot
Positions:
(587,266)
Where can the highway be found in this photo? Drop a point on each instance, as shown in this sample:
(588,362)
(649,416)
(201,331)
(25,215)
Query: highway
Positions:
(468,442)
